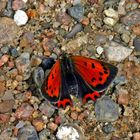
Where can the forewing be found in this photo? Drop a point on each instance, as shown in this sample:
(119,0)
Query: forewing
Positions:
(96,73)
(52,85)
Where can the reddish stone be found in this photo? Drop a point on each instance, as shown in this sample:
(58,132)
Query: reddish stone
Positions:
(58,120)
(136,136)
(4,118)
(136,29)
(91,2)
(24,111)
(63,18)
(18,4)
(32,13)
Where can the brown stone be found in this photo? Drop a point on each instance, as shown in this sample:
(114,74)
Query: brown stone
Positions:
(136,136)
(52,126)
(123,97)
(136,29)
(38,124)
(6,106)
(74,115)
(4,118)
(8,30)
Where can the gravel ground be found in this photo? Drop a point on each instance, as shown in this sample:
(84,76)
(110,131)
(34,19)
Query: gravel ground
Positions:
(33,35)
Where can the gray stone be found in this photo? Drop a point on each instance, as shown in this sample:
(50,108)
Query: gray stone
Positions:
(38,76)
(106,110)
(77,28)
(77,12)
(136,43)
(117,52)
(131,18)
(27,133)
(47,109)
(23,65)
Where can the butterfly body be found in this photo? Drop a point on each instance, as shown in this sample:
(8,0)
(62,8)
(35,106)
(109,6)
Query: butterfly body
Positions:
(82,77)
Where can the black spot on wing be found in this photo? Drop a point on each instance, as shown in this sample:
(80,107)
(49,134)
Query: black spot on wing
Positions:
(92,65)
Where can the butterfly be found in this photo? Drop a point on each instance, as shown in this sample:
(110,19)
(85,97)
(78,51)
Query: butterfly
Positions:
(80,76)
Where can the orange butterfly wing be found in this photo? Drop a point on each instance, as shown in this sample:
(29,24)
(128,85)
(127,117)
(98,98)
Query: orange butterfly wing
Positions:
(52,84)
(96,73)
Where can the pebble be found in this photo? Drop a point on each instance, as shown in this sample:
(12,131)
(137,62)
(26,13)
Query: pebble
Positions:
(106,110)
(45,134)
(23,65)
(6,106)
(131,18)
(47,63)
(63,18)
(52,126)
(117,52)
(8,95)
(69,132)
(74,115)
(125,38)
(136,29)
(2,88)
(77,28)
(136,136)
(14,52)
(20,17)
(8,30)
(24,111)
(38,76)
(91,2)
(4,118)
(18,4)
(38,124)
(75,44)
(110,12)
(2,6)
(136,43)
(123,97)
(27,133)
(8,12)
(100,50)
(109,21)
(46,109)
(35,61)
(77,12)
(100,38)
(108,128)
(5,49)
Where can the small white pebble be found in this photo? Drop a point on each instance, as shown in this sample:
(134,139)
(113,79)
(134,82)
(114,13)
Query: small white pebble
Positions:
(25,1)
(20,17)
(99,50)
(111,13)
(109,21)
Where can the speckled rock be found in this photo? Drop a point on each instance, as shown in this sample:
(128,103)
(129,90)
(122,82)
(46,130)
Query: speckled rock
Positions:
(117,52)
(75,44)
(18,4)
(27,133)
(38,76)
(8,30)
(45,134)
(46,109)
(23,65)
(24,111)
(106,110)
(131,18)
(110,21)
(38,124)
(108,128)
(123,97)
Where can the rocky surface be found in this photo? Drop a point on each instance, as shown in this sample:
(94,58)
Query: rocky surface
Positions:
(34,34)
